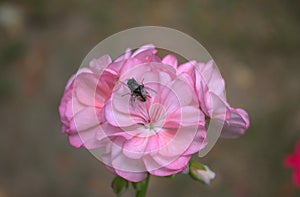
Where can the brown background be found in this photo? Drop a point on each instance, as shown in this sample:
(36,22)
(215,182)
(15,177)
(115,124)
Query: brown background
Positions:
(256,45)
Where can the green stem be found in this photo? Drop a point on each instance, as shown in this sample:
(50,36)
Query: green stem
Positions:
(141,192)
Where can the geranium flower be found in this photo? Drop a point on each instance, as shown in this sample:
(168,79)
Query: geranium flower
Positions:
(156,136)
(293,161)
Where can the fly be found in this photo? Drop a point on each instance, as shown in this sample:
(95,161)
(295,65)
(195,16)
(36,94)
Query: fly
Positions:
(137,90)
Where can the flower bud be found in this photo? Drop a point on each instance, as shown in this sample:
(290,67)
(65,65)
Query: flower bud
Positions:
(201,172)
(119,185)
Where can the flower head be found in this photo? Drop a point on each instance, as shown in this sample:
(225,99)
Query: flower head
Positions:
(156,134)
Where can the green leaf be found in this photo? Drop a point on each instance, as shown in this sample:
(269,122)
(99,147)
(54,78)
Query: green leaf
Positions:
(138,186)
(119,185)
(196,165)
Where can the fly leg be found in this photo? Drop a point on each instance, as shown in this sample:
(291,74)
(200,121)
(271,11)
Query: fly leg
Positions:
(132,101)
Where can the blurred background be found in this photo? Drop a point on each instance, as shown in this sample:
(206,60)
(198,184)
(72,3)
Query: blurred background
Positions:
(256,45)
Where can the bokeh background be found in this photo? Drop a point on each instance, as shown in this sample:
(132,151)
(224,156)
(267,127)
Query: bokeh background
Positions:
(256,45)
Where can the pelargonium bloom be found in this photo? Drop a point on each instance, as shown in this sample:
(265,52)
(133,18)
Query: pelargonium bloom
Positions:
(293,161)
(157,136)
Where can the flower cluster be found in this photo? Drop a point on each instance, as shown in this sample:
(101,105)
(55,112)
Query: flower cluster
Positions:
(157,135)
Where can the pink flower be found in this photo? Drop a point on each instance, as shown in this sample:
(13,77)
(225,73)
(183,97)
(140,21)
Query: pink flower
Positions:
(293,161)
(210,89)
(157,135)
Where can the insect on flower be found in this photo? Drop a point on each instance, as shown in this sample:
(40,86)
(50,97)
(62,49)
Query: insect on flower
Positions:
(137,90)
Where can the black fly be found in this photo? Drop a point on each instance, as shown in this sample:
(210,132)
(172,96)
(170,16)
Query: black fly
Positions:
(137,90)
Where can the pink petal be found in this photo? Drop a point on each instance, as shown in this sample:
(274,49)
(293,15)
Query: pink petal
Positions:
(153,144)
(158,167)
(237,123)
(132,176)
(170,60)
(135,148)
(199,142)
(208,80)
(92,90)
(86,89)
(125,56)
(72,78)
(117,112)
(117,163)
(130,68)
(75,140)
(212,78)
(143,48)
(63,107)
(187,116)
(111,131)
(145,53)
(187,68)
(175,142)
(85,119)
(131,169)
(72,108)
(86,139)
(175,163)
(176,95)
(98,65)
(164,172)
(183,92)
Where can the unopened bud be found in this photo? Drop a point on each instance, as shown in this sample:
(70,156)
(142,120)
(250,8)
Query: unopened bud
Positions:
(201,172)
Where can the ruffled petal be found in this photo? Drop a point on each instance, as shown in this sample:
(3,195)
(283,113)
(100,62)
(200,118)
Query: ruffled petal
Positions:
(236,124)
(85,119)
(170,60)
(132,176)
(86,139)
(85,86)
(98,65)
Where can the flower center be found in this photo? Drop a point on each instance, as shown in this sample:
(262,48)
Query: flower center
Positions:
(149,126)
(155,118)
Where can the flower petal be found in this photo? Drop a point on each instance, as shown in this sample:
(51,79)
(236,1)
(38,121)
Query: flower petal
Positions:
(237,123)
(98,65)
(170,60)
(167,166)
(85,119)
(132,176)
(85,86)
(199,142)
(208,80)
(145,53)
(86,139)
(135,148)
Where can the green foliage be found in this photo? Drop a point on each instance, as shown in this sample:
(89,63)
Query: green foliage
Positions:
(119,185)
